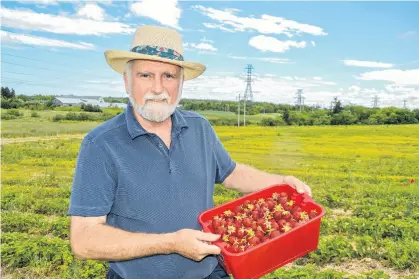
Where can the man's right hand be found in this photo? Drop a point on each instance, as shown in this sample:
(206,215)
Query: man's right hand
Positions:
(193,244)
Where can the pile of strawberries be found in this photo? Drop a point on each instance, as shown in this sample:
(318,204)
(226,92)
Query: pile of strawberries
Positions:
(257,221)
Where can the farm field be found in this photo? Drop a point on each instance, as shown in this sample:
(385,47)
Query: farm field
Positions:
(360,174)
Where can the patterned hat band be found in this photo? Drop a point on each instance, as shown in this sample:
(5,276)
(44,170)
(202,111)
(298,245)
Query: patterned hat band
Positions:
(158,51)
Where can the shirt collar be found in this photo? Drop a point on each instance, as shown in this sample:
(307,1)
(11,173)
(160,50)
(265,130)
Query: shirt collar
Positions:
(135,129)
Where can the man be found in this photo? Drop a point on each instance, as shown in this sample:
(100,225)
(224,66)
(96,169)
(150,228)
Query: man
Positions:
(143,177)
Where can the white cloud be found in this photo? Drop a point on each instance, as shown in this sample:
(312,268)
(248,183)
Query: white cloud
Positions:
(91,11)
(313,43)
(205,40)
(267,88)
(238,57)
(266,24)
(395,88)
(30,20)
(405,77)
(265,59)
(165,12)
(275,60)
(199,46)
(368,64)
(40,41)
(217,26)
(266,43)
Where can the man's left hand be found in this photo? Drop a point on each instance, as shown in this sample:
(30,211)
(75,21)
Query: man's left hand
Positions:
(300,186)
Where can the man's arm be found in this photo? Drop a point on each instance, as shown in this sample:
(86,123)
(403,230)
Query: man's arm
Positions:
(92,238)
(246,179)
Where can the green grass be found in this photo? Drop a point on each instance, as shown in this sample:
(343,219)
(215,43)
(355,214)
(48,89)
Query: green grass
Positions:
(360,174)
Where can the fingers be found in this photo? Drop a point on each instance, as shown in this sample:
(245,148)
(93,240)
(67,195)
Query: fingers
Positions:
(210,249)
(300,186)
(308,190)
(207,236)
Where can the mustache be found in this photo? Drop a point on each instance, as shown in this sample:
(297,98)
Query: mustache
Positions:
(161,97)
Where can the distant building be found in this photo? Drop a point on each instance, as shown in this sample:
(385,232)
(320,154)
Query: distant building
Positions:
(72,100)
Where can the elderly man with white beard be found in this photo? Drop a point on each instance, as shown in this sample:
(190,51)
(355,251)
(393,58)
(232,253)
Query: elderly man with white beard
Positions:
(143,177)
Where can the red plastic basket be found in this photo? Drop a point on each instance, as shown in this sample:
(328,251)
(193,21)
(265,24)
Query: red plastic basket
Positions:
(274,253)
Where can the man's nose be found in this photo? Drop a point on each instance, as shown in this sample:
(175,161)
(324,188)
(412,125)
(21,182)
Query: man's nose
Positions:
(157,85)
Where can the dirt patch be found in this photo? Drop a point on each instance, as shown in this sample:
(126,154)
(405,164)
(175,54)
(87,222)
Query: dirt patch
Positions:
(356,267)
(30,139)
(338,212)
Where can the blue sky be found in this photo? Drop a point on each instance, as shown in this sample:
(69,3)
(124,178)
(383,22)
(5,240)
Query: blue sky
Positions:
(350,50)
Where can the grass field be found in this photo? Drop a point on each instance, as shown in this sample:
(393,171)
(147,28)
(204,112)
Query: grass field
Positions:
(360,174)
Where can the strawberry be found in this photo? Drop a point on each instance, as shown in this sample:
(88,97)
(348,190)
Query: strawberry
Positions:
(259,234)
(283,197)
(241,232)
(220,230)
(216,223)
(229,222)
(286,215)
(247,222)
(267,225)
(296,208)
(254,241)
(238,209)
(297,215)
(255,214)
(231,230)
(304,216)
(260,222)
(232,240)
(277,215)
(236,248)
(274,234)
(225,238)
(286,228)
(282,222)
(270,204)
(274,225)
(254,226)
(228,213)
(313,213)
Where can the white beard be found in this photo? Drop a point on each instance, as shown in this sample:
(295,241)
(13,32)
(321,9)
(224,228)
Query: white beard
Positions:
(155,111)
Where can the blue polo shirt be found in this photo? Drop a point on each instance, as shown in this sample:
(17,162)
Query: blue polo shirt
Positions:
(130,175)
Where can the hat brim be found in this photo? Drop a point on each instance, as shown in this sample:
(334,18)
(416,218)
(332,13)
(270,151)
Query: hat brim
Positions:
(117,59)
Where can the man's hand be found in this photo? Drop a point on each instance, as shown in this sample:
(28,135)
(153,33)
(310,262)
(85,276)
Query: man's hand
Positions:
(193,244)
(300,186)
(247,179)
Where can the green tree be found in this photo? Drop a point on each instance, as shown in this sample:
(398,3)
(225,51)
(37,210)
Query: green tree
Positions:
(338,107)
(7,93)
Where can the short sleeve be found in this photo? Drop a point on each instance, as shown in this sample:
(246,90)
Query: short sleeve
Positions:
(224,164)
(94,182)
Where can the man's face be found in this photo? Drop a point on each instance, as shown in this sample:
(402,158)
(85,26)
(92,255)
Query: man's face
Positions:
(154,89)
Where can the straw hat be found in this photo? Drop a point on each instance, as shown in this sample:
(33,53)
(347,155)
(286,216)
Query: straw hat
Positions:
(158,44)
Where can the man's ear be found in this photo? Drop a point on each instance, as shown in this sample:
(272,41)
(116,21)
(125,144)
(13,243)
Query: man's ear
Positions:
(126,83)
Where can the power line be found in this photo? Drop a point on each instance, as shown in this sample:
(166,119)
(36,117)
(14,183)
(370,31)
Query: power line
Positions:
(375,101)
(300,98)
(7,54)
(54,85)
(30,66)
(248,93)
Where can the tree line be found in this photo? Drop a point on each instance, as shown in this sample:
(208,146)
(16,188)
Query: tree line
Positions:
(276,114)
